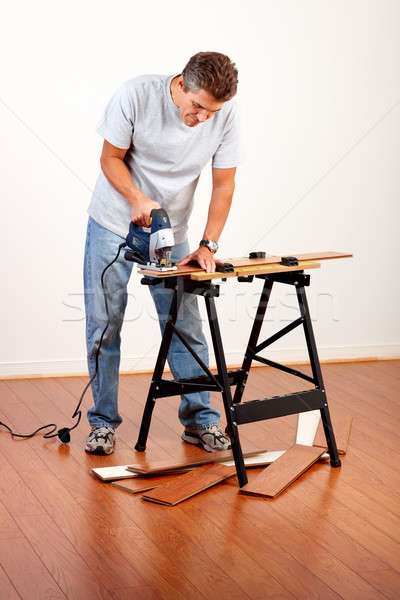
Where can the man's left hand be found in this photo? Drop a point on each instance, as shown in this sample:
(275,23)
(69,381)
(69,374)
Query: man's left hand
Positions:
(203,257)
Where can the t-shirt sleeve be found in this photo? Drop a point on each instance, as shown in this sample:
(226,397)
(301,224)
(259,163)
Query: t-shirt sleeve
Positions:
(117,122)
(230,153)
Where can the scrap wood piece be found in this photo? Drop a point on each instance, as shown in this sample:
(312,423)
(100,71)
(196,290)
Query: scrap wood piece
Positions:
(258,460)
(160,466)
(143,484)
(280,474)
(189,484)
(307,426)
(341,425)
(112,473)
(121,472)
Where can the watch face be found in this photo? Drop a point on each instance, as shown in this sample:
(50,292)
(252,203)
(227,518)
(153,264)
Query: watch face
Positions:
(211,245)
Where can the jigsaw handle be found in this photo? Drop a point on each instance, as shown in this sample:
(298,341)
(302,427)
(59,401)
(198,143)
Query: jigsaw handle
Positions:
(138,241)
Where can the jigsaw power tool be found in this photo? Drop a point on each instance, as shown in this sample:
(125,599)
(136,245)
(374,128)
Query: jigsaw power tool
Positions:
(152,247)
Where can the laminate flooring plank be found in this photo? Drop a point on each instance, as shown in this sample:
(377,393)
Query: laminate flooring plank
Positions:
(121,473)
(345,534)
(354,400)
(237,564)
(143,484)
(355,499)
(341,425)
(8,526)
(378,459)
(315,525)
(385,385)
(307,426)
(160,570)
(162,438)
(59,395)
(115,562)
(370,484)
(386,367)
(241,522)
(45,410)
(324,565)
(71,572)
(19,415)
(334,508)
(143,593)
(374,376)
(358,385)
(84,490)
(15,494)
(189,484)
(20,455)
(287,468)
(7,590)
(26,571)
(386,581)
(150,468)
(373,430)
(170,531)
(85,530)
(383,519)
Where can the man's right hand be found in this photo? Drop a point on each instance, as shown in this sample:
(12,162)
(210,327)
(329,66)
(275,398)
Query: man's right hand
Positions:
(141,209)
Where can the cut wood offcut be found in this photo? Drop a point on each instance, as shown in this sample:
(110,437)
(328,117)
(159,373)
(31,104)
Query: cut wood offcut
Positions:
(280,474)
(189,484)
(341,424)
(286,466)
(160,466)
(137,485)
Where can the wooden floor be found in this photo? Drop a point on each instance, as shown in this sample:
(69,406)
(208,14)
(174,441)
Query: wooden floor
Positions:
(332,534)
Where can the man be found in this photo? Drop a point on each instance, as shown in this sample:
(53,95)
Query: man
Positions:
(159,133)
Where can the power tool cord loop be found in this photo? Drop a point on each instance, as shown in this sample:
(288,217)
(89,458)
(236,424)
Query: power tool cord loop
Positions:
(64,433)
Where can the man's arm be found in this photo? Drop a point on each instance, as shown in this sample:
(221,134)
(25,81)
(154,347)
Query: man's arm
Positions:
(114,168)
(223,186)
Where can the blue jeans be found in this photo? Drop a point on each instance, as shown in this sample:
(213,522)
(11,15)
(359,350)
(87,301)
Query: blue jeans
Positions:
(195,411)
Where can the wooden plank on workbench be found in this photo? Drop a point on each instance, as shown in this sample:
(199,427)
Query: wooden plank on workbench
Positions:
(280,474)
(189,270)
(189,484)
(254,270)
(275,259)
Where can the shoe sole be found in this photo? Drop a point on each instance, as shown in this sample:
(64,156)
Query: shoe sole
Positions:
(99,451)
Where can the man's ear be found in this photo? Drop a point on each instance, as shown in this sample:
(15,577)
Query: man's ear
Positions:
(181,85)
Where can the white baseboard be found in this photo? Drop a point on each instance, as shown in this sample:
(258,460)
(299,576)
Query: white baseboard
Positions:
(133,365)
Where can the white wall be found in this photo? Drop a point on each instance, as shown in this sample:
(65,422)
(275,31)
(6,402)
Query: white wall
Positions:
(320,94)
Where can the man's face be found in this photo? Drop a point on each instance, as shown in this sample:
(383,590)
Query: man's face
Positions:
(196,107)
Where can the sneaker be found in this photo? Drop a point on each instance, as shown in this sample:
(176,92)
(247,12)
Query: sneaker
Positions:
(211,438)
(101,440)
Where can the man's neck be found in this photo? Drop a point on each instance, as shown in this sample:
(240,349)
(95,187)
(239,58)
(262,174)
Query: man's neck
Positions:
(174,89)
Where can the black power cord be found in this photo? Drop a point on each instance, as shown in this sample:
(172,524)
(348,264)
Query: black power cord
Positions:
(64,434)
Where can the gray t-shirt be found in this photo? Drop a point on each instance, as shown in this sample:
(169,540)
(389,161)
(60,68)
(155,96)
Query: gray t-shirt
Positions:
(165,157)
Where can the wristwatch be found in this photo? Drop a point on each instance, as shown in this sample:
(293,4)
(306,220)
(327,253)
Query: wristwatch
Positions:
(211,245)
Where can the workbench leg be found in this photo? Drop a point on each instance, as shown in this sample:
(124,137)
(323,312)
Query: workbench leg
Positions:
(226,392)
(253,339)
(317,374)
(159,370)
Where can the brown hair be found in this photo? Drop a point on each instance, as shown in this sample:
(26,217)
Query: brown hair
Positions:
(213,72)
